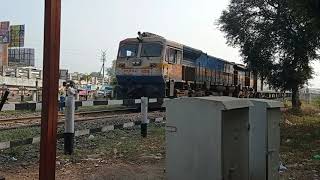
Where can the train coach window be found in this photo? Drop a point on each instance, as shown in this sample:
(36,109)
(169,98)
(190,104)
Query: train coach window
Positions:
(179,57)
(128,50)
(173,56)
(229,68)
(151,50)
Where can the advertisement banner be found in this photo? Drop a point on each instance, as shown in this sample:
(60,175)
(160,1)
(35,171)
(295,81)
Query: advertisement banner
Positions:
(21,56)
(4,32)
(17,36)
(64,74)
(3,55)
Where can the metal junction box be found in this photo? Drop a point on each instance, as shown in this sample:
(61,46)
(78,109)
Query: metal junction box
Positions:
(207,138)
(264,139)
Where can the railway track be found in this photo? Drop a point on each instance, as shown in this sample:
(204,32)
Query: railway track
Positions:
(77,114)
(80,117)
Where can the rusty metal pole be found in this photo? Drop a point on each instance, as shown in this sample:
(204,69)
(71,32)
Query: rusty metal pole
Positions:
(49,115)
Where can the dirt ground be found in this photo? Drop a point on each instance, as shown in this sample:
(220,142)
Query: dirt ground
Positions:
(121,154)
(96,171)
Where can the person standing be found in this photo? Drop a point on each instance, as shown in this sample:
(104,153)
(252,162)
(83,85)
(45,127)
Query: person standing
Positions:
(62,96)
(69,119)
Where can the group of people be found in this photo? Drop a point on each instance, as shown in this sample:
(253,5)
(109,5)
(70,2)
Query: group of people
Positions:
(66,93)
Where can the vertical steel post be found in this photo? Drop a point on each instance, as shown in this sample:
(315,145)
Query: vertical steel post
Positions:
(69,122)
(144,116)
(37,91)
(49,115)
(34,96)
(171,87)
(308,96)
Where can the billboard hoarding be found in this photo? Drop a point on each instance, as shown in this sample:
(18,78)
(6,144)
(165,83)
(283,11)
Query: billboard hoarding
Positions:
(3,55)
(64,74)
(21,56)
(4,32)
(17,36)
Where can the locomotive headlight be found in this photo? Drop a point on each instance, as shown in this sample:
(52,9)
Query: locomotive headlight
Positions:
(153,65)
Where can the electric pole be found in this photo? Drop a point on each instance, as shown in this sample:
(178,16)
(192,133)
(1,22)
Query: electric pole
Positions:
(103,65)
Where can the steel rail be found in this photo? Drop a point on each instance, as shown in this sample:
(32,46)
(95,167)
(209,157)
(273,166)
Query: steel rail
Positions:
(61,115)
(61,121)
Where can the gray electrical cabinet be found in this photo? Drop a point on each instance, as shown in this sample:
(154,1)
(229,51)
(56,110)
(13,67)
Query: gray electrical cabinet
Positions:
(207,138)
(264,139)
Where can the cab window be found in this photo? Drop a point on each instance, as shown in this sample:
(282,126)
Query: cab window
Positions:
(128,50)
(151,50)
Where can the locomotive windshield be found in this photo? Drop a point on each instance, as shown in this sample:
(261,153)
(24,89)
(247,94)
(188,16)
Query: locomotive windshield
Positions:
(151,50)
(128,50)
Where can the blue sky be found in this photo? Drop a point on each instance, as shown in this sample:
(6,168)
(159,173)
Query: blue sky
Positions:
(89,26)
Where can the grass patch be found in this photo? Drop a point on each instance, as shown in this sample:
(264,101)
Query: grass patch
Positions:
(13,113)
(97,108)
(316,102)
(287,103)
(300,141)
(18,134)
(124,144)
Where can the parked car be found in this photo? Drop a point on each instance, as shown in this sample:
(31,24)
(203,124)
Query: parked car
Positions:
(105,91)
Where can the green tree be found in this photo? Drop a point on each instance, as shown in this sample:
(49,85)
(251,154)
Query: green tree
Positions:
(316,102)
(95,74)
(252,37)
(86,77)
(311,7)
(277,38)
(111,72)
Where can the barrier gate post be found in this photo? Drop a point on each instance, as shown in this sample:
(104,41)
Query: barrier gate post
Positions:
(69,122)
(144,116)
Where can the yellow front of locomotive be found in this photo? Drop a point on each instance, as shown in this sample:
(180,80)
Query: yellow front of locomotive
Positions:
(139,67)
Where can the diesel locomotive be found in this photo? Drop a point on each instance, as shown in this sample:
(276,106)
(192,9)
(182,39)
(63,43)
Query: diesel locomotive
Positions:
(154,67)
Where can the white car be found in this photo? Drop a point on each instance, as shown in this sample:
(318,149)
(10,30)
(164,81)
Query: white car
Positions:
(105,91)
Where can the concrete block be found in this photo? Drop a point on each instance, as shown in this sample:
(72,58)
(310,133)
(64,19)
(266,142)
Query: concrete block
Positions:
(129,124)
(8,107)
(87,103)
(38,106)
(137,101)
(36,140)
(107,128)
(4,145)
(152,100)
(115,102)
(82,132)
